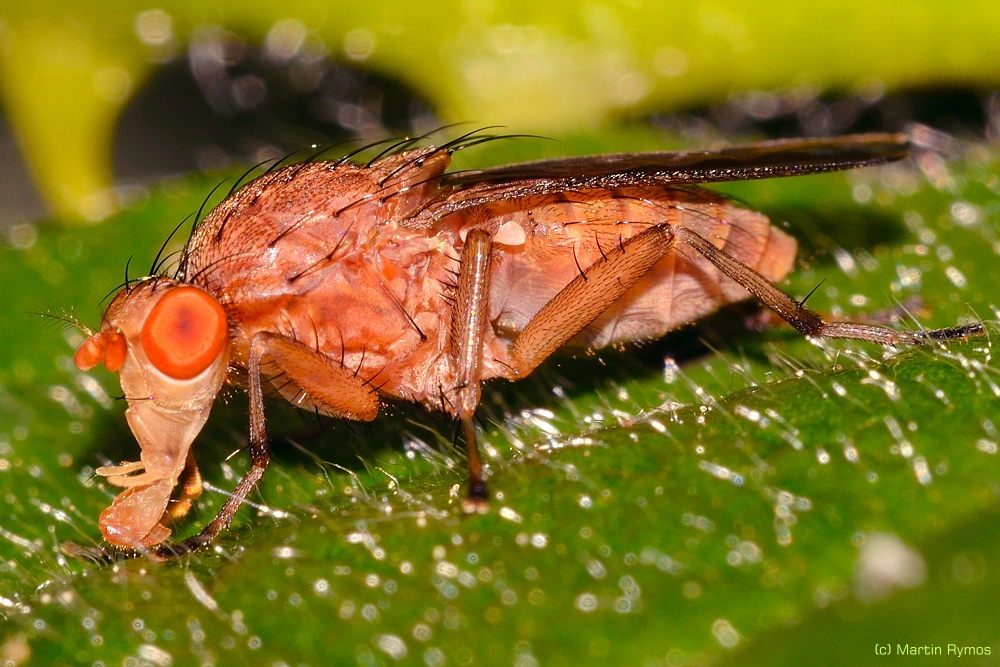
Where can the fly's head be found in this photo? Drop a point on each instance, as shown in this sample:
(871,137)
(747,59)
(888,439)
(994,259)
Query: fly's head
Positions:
(169,344)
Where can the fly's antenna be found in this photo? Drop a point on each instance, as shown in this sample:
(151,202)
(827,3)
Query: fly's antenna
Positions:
(66,320)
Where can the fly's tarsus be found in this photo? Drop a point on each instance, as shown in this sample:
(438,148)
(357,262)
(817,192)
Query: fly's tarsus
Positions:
(886,336)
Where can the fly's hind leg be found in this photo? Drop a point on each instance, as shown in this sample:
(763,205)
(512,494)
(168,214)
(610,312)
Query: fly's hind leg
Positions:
(328,385)
(593,292)
(587,296)
(805,321)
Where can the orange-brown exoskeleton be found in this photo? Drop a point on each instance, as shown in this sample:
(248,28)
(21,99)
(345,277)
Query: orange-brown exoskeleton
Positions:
(337,283)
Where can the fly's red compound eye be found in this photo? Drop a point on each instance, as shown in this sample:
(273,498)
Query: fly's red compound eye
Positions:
(184,333)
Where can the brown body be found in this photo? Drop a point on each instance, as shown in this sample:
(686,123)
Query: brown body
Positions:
(382,304)
(339,284)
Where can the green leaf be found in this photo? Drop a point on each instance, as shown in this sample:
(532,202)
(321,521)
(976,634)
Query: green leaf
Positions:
(705,497)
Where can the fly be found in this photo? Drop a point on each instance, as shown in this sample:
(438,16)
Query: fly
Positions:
(337,284)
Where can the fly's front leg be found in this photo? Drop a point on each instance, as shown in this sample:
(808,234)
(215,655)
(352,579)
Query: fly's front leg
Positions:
(587,296)
(260,455)
(805,321)
(470,318)
(191,487)
(330,386)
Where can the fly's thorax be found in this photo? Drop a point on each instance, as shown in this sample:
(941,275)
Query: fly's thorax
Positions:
(288,222)
(168,342)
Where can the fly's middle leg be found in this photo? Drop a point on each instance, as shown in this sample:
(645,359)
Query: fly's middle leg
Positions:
(563,317)
(592,292)
(470,317)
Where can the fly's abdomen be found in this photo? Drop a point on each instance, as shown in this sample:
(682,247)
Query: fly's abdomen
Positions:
(566,234)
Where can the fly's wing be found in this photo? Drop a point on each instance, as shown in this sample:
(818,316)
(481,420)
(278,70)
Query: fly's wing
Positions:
(767,159)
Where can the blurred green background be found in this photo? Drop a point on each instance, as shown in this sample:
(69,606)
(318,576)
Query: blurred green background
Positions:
(722,496)
(67,70)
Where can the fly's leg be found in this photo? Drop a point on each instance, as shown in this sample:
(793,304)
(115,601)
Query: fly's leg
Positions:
(587,296)
(120,470)
(191,488)
(591,293)
(329,386)
(805,321)
(468,328)
(260,455)
(573,308)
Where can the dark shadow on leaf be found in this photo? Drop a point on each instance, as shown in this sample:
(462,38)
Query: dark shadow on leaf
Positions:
(822,229)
